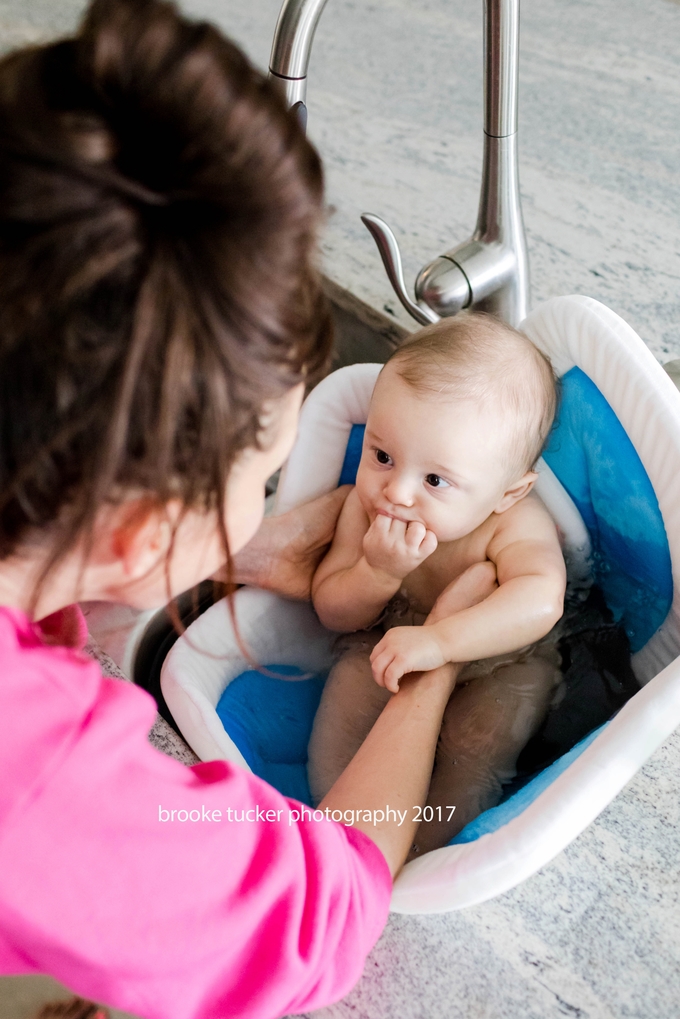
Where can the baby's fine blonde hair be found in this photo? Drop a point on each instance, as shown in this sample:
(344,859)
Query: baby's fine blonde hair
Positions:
(476,357)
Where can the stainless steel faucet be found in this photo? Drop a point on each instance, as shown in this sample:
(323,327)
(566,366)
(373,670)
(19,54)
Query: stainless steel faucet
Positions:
(490,271)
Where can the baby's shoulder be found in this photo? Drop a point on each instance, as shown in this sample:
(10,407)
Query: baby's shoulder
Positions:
(352,508)
(528,519)
(353,521)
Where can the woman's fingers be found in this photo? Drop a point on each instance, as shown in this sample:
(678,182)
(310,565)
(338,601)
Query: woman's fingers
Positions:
(286,550)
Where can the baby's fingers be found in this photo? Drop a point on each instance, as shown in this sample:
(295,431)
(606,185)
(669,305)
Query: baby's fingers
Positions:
(428,544)
(391,675)
(381,659)
(379,649)
(414,535)
(419,540)
(381,525)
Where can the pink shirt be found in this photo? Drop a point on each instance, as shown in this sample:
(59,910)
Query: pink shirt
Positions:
(128,905)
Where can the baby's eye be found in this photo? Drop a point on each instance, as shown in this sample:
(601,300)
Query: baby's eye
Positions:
(434,481)
(382,457)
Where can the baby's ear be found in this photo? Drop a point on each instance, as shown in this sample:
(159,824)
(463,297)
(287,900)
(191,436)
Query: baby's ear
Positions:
(516,491)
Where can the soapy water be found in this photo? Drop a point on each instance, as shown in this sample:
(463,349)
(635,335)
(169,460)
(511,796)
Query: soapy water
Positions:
(597,680)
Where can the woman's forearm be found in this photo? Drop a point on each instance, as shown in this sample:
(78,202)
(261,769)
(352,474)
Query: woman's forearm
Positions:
(393,766)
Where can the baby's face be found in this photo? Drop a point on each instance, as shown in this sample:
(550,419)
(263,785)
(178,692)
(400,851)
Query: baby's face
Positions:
(435,460)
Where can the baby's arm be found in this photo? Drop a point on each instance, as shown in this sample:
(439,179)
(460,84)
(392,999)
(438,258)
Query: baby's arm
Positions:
(526,605)
(365,566)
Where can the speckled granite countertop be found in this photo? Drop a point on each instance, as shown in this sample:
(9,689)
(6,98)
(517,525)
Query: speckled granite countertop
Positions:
(395,108)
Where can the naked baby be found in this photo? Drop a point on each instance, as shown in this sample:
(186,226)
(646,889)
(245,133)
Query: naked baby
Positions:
(442,554)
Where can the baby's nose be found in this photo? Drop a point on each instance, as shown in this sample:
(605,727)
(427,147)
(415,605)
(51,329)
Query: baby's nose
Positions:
(399,490)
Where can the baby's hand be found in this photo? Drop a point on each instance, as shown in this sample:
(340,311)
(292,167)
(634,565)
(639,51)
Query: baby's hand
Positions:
(405,649)
(395,547)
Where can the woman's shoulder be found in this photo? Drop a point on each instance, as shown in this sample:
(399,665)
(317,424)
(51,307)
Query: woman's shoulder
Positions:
(48,693)
(47,656)
(100,830)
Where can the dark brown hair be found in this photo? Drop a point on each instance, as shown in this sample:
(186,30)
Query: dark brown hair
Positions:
(158,215)
(477,357)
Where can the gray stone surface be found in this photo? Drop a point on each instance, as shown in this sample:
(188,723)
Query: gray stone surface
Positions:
(395,108)
(594,935)
(25,997)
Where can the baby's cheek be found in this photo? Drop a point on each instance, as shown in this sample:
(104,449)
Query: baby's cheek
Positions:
(361,481)
(367,500)
(455,520)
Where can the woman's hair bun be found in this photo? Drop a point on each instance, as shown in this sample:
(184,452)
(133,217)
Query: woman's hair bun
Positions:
(158,215)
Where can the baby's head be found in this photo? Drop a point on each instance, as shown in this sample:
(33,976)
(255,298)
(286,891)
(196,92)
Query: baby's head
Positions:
(457,421)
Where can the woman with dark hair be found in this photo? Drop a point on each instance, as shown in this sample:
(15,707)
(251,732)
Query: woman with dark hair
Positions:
(160,313)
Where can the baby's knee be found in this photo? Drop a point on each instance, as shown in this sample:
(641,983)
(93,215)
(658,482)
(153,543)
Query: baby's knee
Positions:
(470,588)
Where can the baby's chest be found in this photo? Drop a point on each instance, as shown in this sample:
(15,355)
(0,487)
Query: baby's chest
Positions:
(447,562)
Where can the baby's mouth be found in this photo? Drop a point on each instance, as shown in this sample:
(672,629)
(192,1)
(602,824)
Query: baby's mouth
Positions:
(392,516)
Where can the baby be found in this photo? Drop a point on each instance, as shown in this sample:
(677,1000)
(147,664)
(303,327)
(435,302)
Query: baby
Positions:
(443,554)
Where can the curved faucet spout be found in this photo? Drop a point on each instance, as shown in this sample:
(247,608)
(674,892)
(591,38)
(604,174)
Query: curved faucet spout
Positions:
(293,38)
(490,271)
(391,256)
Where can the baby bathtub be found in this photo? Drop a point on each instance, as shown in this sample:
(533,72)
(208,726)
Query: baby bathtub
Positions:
(623,494)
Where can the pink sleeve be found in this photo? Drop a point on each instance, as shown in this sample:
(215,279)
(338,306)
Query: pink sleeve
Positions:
(66,627)
(228,906)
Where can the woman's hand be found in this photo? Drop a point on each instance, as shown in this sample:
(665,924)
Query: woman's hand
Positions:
(286,551)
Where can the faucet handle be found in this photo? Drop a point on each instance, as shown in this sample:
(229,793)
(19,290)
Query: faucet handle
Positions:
(391,257)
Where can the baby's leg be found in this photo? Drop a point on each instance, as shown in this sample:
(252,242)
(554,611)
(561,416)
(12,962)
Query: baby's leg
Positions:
(350,704)
(471,587)
(486,725)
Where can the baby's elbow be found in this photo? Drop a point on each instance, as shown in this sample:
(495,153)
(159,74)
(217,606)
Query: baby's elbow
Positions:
(331,622)
(552,608)
(556,612)
(328,615)
(322,605)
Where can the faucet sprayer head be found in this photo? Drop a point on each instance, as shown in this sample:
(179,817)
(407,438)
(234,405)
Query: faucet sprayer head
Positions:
(292,45)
